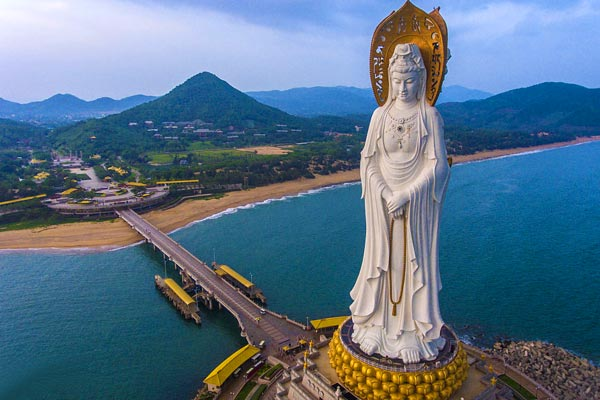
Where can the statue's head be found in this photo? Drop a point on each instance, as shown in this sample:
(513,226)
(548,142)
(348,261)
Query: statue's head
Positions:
(407,73)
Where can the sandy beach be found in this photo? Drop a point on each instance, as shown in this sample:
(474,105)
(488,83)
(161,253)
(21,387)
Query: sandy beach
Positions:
(116,233)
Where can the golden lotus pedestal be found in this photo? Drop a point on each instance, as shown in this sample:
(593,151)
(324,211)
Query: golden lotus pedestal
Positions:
(376,377)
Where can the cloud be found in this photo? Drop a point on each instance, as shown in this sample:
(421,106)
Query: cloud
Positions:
(504,45)
(122,47)
(497,20)
(290,15)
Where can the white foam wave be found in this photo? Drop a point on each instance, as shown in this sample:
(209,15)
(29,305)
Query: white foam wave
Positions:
(127,246)
(250,206)
(524,153)
(59,250)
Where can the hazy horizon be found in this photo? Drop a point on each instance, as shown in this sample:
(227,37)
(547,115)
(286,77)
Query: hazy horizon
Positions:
(117,48)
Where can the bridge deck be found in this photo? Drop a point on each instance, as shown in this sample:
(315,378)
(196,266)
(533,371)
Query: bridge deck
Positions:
(274,330)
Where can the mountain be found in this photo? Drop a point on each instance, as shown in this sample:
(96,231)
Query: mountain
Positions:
(545,113)
(8,108)
(203,100)
(308,102)
(16,134)
(552,106)
(208,98)
(64,109)
(455,93)
(343,100)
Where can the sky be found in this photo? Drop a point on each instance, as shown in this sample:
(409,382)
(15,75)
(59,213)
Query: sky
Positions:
(118,48)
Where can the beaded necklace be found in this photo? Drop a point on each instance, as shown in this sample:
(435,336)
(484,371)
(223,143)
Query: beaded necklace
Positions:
(400,128)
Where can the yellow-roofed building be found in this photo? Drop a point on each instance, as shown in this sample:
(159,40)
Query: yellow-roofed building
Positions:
(69,191)
(330,323)
(7,202)
(219,375)
(136,184)
(181,294)
(227,270)
(240,282)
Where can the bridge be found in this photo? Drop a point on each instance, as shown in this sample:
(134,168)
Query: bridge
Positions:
(256,324)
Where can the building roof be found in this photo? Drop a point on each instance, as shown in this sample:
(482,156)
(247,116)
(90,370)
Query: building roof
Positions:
(21,199)
(183,296)
(69,191)
(218,375)
(220,272)
(231,272)
(327,322)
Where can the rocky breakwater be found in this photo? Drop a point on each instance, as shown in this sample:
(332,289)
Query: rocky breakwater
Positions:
(562,373)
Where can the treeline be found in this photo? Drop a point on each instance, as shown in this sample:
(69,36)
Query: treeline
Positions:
(464,140)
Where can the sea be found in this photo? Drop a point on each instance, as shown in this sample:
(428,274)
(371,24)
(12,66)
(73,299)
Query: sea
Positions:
(519,259)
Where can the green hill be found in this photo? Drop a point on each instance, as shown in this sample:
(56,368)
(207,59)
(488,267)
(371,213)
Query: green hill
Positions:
(210,99)
(545,113)
(20,134)
(203,101)
(551,106)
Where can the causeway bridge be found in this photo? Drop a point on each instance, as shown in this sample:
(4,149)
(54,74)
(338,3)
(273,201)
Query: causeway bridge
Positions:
(255,323)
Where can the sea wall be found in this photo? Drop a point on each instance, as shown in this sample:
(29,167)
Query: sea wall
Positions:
(564,374)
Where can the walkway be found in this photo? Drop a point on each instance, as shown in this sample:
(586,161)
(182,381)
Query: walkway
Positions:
(275,330)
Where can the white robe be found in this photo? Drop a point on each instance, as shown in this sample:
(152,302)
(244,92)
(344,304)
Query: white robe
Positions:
(425,173)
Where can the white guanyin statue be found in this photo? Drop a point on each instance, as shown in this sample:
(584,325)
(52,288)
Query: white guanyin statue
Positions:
(404,174)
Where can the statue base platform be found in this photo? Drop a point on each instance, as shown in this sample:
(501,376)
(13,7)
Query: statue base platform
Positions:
(376,377)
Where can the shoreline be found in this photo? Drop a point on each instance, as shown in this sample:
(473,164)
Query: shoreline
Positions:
(109,235)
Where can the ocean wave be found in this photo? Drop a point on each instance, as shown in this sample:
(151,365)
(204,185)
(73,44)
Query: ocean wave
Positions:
(127,246)
(59,250)
(525,153)
(250,206)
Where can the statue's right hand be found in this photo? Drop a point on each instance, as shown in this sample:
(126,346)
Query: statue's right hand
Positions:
(397,202)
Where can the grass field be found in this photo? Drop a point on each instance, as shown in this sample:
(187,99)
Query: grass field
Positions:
(524,393)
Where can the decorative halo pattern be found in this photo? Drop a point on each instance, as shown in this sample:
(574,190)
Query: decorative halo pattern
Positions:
(410,24)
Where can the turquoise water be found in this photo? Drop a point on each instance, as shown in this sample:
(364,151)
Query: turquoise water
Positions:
(519,254)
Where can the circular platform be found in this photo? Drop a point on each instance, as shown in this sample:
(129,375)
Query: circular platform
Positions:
(378,377)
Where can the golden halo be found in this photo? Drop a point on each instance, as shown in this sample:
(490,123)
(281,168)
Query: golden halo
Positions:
(410,24)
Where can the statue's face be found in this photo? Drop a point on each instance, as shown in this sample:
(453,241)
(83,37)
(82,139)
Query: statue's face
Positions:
(405,86)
